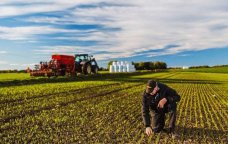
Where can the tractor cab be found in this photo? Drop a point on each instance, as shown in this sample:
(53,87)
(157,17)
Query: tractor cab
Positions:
(86,64)
(82,58)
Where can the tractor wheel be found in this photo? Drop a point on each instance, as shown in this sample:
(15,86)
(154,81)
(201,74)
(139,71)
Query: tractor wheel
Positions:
(86,69)
(95,70)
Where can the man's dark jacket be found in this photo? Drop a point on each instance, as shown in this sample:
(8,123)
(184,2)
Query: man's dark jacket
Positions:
(150,102)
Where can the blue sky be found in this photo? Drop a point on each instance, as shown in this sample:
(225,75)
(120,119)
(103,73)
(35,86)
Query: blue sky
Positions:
(180,33)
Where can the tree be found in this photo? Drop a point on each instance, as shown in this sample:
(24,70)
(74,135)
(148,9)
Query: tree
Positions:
(147,66)
(152,66)
(102,69)
(141,65)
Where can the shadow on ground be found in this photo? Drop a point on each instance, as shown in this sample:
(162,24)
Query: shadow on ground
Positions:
(120,77)
(201,135)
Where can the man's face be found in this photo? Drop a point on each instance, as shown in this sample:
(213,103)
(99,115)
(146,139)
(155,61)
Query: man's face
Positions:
(156,89)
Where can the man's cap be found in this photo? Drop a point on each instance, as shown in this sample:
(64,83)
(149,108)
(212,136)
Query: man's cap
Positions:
(151,84)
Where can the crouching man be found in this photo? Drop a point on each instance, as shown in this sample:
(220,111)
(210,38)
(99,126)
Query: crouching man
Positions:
(159,99)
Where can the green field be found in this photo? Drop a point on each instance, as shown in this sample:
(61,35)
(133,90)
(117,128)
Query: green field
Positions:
(223,69)
(107,108)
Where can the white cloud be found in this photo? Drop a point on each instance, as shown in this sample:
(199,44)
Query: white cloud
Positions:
(10,7)
(23,65)
(71,50)
(28,65)
(3,52)
(142,25)
(19,66)
(61,50)
(3,62)
(14,64)
(29,32)
(153,25)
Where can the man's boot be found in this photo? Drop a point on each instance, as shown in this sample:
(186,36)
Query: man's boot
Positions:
(172,133)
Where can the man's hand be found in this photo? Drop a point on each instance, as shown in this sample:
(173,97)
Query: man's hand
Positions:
(148,131)
(162,102)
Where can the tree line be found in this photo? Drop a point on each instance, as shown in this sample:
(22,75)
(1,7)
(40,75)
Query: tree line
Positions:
(13,71)
(206,66)
(146,65)
(150,65)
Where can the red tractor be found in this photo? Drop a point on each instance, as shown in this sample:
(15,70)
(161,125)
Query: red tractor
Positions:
(61,65)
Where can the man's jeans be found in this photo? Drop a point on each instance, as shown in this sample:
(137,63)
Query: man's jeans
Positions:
(158,120)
